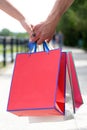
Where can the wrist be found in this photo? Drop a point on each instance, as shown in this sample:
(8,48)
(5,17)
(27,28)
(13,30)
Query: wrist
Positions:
(53,19)
(21,18)
(26,25)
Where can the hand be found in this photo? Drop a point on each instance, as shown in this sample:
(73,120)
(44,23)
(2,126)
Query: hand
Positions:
(43,31)
(27,26)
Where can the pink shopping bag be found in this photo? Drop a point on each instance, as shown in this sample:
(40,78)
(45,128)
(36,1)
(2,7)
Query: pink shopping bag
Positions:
(38,85)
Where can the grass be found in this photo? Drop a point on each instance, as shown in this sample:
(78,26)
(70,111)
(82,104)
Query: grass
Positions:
(1,47)
(8,49)
(1,64)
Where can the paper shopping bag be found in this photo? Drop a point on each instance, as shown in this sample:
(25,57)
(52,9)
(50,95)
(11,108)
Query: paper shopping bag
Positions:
(38,85)
(35,82)
(77,98)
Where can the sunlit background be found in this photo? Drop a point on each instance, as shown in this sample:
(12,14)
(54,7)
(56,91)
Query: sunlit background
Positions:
(34,10)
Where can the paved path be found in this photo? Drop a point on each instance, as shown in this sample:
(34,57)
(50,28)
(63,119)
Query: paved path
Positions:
(9,121)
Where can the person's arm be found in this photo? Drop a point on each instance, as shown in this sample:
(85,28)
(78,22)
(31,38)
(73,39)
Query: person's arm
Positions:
(7,7)
(46,29)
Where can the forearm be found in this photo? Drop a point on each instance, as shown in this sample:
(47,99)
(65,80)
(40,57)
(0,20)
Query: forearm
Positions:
(45,30)
(7,7)
(58,10)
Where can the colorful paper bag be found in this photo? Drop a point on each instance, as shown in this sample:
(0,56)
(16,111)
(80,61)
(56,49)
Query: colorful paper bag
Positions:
(38,85)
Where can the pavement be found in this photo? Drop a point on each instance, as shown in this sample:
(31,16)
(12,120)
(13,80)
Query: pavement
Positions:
(78,121)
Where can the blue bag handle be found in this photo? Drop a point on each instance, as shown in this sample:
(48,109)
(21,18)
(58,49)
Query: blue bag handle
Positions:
(33,46)
(45,47)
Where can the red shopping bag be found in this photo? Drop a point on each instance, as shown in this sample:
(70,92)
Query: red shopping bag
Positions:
(39,84)
(77,98)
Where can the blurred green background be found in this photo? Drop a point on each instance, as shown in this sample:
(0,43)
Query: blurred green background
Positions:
(73,24)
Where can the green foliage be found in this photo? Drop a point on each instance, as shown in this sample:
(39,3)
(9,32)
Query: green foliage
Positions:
(22,35)
(74,24)
(6,32)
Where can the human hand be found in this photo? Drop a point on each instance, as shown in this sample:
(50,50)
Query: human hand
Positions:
(27,26)
(43,32)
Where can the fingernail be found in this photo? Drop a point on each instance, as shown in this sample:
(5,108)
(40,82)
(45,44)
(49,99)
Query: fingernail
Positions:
(33,34)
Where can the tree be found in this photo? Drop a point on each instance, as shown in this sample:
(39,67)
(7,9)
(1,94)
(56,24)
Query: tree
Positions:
(73,23)
(5,32)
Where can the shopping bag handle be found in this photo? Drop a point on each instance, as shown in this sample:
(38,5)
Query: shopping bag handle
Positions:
(33,47)
(45,47)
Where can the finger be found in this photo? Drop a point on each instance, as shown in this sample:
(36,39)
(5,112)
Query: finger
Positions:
(36,27)
(40,41)
(32,34)
(49,39)
(36,37)
(31,27)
